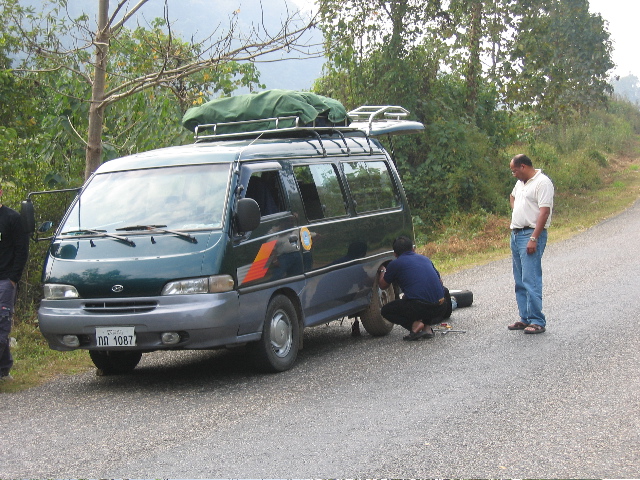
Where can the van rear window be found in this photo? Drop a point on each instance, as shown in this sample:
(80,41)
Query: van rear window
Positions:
(320,189)
(371,186)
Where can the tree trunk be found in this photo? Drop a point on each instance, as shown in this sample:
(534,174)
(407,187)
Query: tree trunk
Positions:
(473,69)
(96,110)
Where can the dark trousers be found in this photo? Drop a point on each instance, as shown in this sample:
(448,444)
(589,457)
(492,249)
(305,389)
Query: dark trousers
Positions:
(404,312)
(7,300)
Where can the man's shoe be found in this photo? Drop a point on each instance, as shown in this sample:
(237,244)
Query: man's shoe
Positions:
(426,333)
(518,326)
(6,378)
(534,328)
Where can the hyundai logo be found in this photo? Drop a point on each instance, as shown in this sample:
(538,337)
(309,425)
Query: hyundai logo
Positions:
(117,288)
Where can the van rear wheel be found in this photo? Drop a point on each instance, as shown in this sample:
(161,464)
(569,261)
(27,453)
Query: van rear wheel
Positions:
(277,350)
(110,362)
(372,320)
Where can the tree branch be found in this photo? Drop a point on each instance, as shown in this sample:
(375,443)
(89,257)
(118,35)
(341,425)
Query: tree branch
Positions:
(84,142)
(246,52)
(127,16)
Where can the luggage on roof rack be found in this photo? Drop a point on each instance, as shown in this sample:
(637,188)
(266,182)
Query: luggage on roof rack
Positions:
(271,109)
(279,111)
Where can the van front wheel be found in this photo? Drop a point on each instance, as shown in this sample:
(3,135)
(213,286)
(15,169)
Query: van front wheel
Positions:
(277,350)
(372,321)
(115,363)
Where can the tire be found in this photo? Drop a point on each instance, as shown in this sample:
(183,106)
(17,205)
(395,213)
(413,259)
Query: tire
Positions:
(464,298)
(110,362)
(372,320)
(278,348)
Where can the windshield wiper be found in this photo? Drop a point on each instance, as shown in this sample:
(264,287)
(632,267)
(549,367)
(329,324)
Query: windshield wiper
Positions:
(100,233)
(159,228)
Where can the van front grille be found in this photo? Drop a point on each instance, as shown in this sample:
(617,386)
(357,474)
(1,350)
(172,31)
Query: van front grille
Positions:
(120,307)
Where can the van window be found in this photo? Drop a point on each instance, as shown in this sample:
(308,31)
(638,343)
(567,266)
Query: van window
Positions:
(181,198)
(371,186)
(320,190)
(264,188)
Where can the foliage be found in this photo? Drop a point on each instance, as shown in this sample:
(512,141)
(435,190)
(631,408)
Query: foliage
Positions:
(548,61)
(559,59)
(113,64)
(34,362)
(452,166)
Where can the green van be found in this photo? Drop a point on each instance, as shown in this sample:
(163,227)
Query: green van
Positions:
(235,239)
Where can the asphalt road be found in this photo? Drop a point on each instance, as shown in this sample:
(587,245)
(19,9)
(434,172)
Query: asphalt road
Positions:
(489,403)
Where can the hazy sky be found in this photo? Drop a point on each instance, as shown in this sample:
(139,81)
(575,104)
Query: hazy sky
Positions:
(623,17)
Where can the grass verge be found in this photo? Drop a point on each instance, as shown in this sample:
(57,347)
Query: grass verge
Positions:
(475,240)
(465,242)
(35,363)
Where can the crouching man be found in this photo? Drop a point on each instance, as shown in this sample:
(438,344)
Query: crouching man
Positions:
(423,303)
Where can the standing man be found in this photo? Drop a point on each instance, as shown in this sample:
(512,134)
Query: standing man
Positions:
(532,204)
(423,303)
(14,250)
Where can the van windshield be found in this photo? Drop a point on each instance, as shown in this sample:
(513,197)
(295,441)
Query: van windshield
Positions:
(180,198)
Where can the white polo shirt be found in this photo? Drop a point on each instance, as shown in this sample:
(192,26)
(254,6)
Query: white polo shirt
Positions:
(529,197)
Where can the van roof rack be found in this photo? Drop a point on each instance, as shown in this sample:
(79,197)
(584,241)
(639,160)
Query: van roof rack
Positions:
(278,121)
(377,120)
(368,119)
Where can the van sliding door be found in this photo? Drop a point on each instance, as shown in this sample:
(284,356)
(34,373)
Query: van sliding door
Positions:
(269,256)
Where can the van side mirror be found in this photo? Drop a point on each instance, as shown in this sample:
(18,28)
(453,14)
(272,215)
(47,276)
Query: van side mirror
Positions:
(45,227)
(247,215)
(28,216)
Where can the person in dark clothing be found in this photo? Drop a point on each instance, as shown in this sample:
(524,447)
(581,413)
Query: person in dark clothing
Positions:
(14,251)
(423,303)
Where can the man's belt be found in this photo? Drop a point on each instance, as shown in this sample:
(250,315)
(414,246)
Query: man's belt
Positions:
(439,302)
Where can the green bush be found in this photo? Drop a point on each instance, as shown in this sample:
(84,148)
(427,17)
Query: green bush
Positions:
(574,175)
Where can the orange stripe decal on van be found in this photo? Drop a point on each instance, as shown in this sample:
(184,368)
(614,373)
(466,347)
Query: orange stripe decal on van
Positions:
(259,266)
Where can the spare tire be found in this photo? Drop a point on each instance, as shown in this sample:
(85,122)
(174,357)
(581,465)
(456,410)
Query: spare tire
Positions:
(464,298)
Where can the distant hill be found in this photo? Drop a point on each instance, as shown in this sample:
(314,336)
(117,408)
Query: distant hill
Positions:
(627,87)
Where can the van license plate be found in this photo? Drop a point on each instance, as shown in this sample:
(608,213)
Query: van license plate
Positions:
(115,336)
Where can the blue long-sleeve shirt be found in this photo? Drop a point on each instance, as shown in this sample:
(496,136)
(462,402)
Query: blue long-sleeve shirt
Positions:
(416,276)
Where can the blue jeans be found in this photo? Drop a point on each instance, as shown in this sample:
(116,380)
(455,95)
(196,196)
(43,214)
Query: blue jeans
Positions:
(7,300)
(527,273)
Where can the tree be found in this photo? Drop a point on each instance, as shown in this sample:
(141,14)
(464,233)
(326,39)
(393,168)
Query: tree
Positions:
(560,57)
(398,52)
(53,44)
(478,30)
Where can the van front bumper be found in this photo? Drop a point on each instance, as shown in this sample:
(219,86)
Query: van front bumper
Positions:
(203,320)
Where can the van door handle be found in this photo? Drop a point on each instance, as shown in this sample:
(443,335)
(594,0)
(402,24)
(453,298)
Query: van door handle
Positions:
(293,240)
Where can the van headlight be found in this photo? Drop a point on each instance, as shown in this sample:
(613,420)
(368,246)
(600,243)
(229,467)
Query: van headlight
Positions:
(55,291)
(189,286)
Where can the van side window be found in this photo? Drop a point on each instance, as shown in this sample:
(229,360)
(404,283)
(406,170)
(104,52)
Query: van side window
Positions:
(371,186)
(320,190)
(264,188)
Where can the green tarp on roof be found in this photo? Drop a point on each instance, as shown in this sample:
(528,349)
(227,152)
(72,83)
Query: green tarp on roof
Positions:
(268,104)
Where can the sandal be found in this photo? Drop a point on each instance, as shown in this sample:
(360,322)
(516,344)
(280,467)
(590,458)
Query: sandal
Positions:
(428,333)
(518,326)
(534,328)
